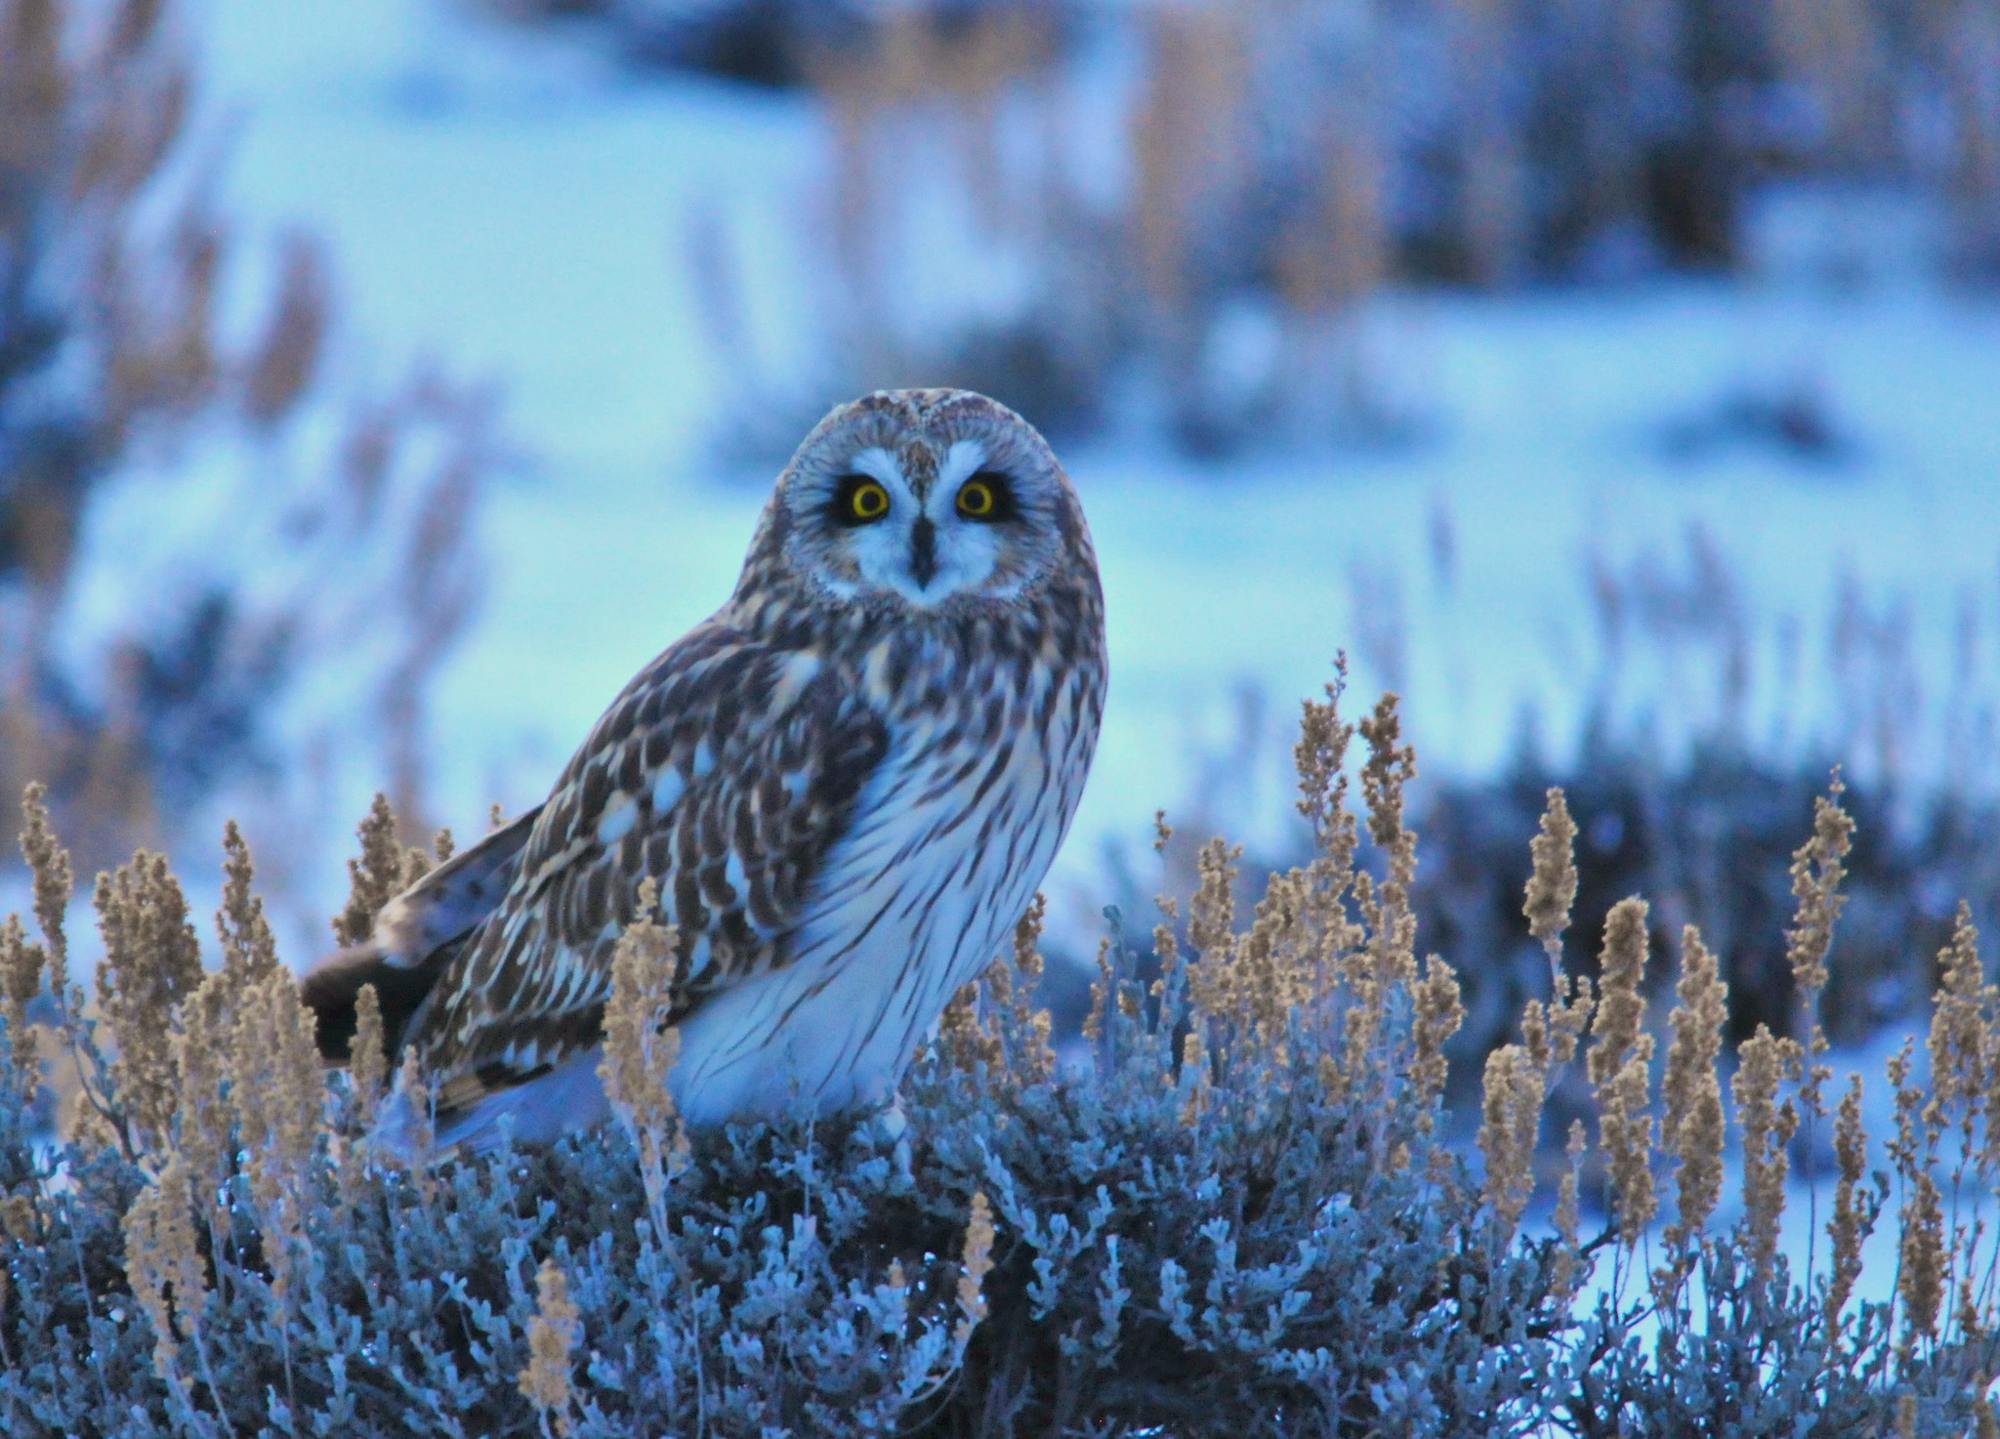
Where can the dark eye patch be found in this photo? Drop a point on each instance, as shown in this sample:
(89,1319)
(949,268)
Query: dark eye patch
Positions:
(1004,505)
(858,500)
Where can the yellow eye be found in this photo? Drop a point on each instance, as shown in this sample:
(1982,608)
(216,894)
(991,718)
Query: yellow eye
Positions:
(865,500)
(976,499)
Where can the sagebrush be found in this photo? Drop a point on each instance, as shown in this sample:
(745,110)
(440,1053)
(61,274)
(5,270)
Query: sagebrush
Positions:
(1236,1214)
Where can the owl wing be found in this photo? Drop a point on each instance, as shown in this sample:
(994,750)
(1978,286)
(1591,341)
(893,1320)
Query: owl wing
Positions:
(726,771)
(414,939)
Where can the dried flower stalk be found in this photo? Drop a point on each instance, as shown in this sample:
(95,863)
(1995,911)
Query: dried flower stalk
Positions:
(49,863)
(1763,1060)
(163,1263)
(639,1046)
(1619,1064)
(1194,1074)
(375,877)
(367,1058)
(278,1091)
(249,952)
(1438,1014)
(152,961)
(1552,882)
(1692,1130)
(1566,1261)
(1817,869)
(204,1127)
(975,1263)
(21,964)
(1852,1219)
(1511,1118)
(1920,1280)
(1958,1039)
(553,1333)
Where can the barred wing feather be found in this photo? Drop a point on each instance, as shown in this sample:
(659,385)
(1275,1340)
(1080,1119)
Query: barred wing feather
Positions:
(726,770)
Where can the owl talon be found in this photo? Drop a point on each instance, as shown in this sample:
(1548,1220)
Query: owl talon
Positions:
(893,1125)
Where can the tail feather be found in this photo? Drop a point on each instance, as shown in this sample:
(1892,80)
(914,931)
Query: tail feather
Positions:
(333,988)
(415,938)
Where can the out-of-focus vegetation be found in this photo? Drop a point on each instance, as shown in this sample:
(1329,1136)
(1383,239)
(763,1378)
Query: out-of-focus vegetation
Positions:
(1180,211)
(119,380)
(1236,1216)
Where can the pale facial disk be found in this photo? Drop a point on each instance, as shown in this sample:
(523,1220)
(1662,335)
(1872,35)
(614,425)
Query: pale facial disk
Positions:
(884,552)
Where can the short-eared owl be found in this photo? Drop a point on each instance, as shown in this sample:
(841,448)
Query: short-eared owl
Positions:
(848,783)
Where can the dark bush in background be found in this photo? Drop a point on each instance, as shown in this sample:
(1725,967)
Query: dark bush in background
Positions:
(1176,215)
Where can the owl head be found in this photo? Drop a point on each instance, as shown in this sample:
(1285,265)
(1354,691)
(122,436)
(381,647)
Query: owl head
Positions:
(925,501)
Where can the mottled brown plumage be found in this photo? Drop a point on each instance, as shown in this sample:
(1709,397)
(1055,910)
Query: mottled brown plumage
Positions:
(848,783)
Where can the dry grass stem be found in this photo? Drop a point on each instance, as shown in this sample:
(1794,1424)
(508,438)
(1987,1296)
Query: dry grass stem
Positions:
(1959,1040)
(249,952)
(962,1036)
(1567,1260)
(277,1088)
(367,1058)
(1438,1014)
(1818,866)
(553,1334)
(414,1094)
(1619,1065)
(163,1262)
(1763,1061)
(975,1263)
(53,885)
(375,877)
(1511,1118)
(1693,1127)
(1853,1217)
(21,964)
(152,962)
(205,1126)
(1028,1026)
(1194,1075)
(1920,1276)
(640,1045)
(1552,881)
(1101,985)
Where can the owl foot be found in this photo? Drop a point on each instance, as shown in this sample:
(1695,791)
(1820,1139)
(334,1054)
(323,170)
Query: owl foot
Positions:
(893,1126)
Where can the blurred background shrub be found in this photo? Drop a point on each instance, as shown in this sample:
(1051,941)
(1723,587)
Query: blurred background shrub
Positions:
(1205,195)
(277,516)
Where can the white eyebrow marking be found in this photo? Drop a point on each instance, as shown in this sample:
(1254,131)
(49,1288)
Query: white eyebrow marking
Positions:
(878,464)
(961,462)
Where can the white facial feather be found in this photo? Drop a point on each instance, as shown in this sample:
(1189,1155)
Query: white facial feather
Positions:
(966,551)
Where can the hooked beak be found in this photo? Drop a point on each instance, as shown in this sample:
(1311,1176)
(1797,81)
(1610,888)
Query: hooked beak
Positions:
(923,551)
